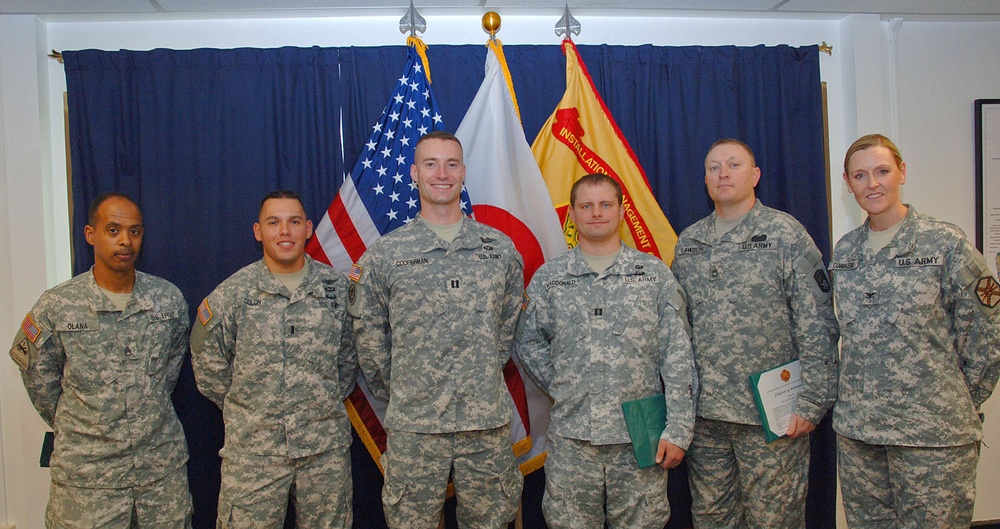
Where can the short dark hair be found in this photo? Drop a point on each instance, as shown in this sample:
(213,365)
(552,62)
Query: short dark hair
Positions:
(438,135)
(595,179)
(734,141)
(96,204)
(281,193)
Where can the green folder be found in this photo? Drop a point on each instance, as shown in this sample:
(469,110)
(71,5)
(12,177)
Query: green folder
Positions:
(645,419)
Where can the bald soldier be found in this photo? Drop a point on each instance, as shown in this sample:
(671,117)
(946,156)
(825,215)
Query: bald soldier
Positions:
(100,355)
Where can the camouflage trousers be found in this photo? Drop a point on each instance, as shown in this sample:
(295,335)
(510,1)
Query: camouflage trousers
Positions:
(482,468)
(256,490)
(903,487)
(587,484)
(739,481)
(164,503)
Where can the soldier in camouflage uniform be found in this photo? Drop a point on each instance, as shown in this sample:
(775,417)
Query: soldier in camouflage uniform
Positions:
(100,355)
(758,296)
(435,304)
(273,349)
(919,315)
(602,326)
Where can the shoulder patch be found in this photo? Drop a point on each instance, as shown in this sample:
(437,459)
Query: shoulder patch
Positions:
(355,273)
(988,291)
(526,301)
(204,312)
(30,328)
(19,354)
(822,281)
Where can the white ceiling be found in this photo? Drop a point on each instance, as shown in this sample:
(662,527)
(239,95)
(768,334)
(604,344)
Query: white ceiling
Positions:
(197,8)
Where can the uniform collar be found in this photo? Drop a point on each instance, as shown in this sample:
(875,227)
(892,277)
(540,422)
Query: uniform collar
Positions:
(705,233)
(141,299)
(266,281)
(625,263)
(465,239)
(903,243)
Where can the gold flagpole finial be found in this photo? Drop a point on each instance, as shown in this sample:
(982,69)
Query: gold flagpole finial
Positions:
(491,23)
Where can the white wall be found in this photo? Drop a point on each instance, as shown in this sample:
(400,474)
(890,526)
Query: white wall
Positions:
(940,66)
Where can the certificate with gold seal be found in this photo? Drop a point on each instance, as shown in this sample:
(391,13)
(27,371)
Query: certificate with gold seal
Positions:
(776,391)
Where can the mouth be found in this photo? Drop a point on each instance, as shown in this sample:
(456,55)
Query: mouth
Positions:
(874,196)
(286,244)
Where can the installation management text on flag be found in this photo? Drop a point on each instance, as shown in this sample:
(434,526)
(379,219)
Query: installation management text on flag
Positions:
(508,193)
(581,137)
(379,197)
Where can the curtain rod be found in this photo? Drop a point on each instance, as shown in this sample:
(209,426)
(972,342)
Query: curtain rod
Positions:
(823,47)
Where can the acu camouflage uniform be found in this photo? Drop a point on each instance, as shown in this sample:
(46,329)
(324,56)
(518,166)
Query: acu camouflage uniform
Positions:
(434,328)
(593,341)
(279,364)
(920,323)
(757,297)
(101,378)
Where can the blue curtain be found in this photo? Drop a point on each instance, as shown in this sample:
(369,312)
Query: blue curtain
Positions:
(198,136)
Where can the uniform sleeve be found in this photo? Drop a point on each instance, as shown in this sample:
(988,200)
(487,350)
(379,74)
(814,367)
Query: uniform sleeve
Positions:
(178,346)
(814,328)
(677,370)
(347,355)
(213,347)
(368,304)
(534,336)
(513,298)
(41,362)
(976,319)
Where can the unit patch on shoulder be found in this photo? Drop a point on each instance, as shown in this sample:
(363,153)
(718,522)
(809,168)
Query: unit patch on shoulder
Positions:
(19,354)
(355,273)
(822,281)
(204,313)
(30,328)
(988,291)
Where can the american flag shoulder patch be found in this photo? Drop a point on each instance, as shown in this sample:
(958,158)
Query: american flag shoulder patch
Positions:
(204,313)
(526,301)
(355,273)
(30,328)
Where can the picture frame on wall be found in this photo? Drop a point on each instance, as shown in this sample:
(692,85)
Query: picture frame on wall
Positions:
(987,119)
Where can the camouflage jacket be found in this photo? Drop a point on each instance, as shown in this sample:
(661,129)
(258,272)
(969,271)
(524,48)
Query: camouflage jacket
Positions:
(278,363)
(102,379)
(593,341)
(435,326)
(757,298)
(920,330)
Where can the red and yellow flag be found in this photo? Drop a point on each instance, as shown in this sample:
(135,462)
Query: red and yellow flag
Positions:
(580,138)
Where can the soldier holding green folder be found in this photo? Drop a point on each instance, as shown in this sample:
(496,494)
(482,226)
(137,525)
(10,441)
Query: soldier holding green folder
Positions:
(602,326)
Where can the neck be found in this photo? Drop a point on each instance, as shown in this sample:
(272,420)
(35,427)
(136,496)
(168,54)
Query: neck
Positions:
(440,214)
(606,247)
(887,218)
(281,268)
(114,281)
(731,211)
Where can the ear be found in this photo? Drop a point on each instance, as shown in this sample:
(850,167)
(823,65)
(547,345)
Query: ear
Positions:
(88,233)
(756,176)
(902,173)
(413,172)
(309,229)
(256,232)
(847,183)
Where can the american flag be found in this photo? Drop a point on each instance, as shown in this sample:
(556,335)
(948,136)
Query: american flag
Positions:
(380,196)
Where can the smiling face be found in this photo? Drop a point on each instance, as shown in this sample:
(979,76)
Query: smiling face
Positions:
(438,172)
(597,213)
(874,177)
(282,229)
(115,232)
(730,176)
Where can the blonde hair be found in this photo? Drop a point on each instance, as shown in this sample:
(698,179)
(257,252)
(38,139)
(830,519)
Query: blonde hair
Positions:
(869,141)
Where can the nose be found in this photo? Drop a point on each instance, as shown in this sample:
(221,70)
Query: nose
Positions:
(125,239)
